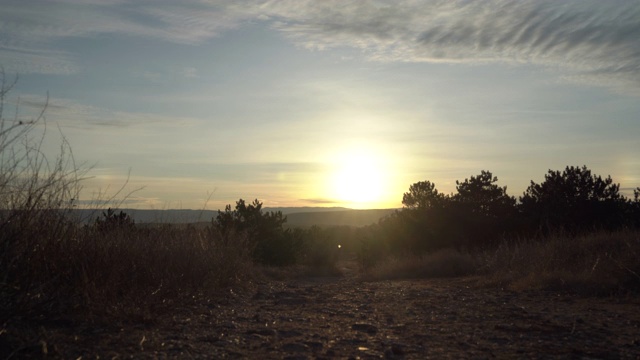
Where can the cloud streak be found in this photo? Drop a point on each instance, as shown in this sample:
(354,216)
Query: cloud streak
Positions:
(74,115)
(593,41)
(589,41)
(30,33)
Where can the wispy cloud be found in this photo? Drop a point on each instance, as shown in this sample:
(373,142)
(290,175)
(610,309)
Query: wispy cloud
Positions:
(320,201)
(74,115)
(190,23)
(265,172)
(590,41)
(184,22)
(34,60)
(28,44)
(167,76)
(189,72)
(595,41)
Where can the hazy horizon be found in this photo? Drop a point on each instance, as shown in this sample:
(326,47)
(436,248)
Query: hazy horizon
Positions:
(332,103)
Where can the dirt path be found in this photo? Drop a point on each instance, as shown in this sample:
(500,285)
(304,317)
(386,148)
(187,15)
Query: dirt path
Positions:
(346,318)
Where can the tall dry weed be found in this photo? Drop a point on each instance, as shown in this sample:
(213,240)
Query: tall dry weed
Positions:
(439,264)
(599,263)
(52,266)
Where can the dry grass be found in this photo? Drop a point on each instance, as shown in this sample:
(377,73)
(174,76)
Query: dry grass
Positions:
(58,274)
(318,258)
(600,263)
(596,264)
(298,271)
(116,274)
(440,264)
(52,267)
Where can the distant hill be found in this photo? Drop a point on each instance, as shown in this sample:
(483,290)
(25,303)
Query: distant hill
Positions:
(305,209)
(336,218)
(296,216)
(152,216)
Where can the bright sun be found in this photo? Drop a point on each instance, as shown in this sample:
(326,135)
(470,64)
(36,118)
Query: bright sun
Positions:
(358,180)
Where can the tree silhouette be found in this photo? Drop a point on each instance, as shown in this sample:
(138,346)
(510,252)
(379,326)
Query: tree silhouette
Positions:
(481,196)
(423,195)
(573,200)
(271,243)
(250,219)
(111,220)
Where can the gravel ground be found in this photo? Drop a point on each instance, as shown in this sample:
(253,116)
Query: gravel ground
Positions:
(343,317)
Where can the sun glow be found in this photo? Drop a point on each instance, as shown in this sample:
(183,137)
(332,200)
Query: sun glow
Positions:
(359,179)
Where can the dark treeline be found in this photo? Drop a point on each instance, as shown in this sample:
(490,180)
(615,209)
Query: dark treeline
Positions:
(481,214)
(271,243)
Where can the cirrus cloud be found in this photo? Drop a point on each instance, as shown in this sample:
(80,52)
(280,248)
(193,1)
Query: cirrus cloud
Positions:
(591,41)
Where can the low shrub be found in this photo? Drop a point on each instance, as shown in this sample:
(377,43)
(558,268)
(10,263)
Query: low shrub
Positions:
(269,241)
(600,263)
(320,249)
(118,273)
(439,264)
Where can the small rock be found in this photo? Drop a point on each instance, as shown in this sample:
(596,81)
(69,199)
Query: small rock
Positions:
(263,332)
(291,301)
(221,343)
(364,327)
(294,347)
(289,333)
(208,338)
(259,295)
(229,325)
(295,357)
(314,345)
(397,349)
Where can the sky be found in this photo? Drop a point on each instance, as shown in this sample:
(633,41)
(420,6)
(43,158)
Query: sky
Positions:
(194,104)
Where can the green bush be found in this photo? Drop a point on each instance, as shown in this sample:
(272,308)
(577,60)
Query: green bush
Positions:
(270,242)
(112,221)
(575,201)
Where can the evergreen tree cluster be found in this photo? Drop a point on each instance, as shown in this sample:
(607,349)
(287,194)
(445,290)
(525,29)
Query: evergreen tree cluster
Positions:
(270,242)
(481,214)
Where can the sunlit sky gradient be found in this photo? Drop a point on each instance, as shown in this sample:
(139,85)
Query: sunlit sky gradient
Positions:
(327,103)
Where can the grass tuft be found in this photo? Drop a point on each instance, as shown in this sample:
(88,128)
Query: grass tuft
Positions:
(596,264)
(440,264)
(116,274)
(601,263)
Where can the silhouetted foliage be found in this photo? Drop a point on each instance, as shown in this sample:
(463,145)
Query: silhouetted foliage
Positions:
(111,220)
(475,216)
(480,195)
(249,219)
(481,214)
(574,200)
(272,244)
(375,240)
(36,192)
(423,195)
(483,209)
(634,209)
(321,247)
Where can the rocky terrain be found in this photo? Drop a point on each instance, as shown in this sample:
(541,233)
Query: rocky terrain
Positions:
(345,317)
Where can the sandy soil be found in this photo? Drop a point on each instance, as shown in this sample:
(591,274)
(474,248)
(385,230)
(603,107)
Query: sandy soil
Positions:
(343,317)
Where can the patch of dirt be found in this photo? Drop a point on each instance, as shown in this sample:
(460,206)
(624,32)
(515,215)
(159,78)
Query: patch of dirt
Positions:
(343,317)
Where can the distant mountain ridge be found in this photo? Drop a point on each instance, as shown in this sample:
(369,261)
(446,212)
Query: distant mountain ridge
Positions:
(349,217)
(296,216)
